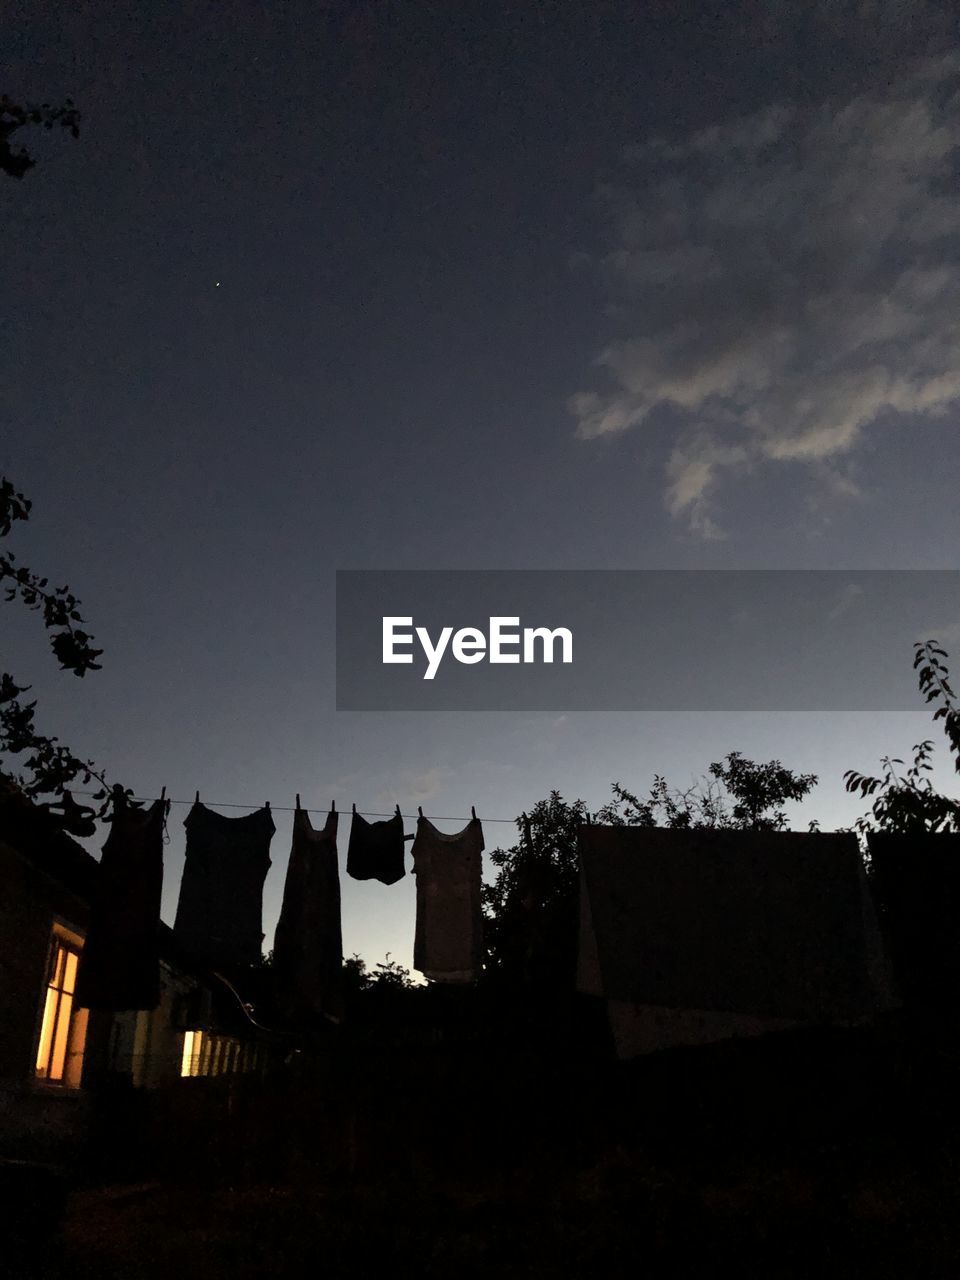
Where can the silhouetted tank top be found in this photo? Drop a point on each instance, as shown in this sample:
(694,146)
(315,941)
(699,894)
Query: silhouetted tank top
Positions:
(308,946)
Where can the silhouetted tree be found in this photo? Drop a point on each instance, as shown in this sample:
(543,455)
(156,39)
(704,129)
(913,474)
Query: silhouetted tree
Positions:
(736,795)
(357,978)
(378,999)
(44,766)
(16,163)
(906,801)
(531,908)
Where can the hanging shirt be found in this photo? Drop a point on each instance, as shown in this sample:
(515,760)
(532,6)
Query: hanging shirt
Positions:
(308,946)
(448,943)
(220,912)
(376,849)
(120,966)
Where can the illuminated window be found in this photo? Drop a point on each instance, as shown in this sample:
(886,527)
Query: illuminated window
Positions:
(64,1029)
(192,1046)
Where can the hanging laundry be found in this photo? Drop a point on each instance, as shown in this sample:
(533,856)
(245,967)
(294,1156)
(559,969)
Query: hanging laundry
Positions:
(696,936)
(376,849)
(120,968)
(308,946)
(916,884)
(448,942)
(220,911)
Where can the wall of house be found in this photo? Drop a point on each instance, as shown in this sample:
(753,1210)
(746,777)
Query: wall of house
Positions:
(643,1028)
(36,1120)
(146,1048)
(147,1045)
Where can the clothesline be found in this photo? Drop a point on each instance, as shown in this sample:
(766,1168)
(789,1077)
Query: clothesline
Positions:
(279,808)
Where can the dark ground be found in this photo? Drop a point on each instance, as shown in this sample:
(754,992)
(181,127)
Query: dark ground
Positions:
(840,1212)
(804,1156)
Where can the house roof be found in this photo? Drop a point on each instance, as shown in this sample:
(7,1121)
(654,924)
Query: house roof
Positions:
(30,829)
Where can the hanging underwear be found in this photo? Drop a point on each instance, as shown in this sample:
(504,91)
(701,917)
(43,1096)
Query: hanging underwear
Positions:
(376,849)
(448,942)
(308,945)
(120,965)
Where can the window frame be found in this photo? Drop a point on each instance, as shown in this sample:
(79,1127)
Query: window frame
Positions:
(65,939)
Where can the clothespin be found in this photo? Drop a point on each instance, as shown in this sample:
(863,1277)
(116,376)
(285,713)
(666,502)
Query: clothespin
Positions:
(196,798)
(267,804)
(399,814)
(164,813)
(473,813)
(333,806)
(298,799)
(419,811)
(354,809)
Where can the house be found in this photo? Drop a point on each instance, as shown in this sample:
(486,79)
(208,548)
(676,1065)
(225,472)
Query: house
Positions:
(693,937)
(56,1057)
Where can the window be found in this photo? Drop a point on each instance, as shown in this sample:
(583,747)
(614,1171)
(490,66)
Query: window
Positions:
(207,1054)
(192,1044)
(63,1030)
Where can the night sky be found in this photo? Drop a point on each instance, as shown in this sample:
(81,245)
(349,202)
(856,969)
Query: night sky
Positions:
(409,286)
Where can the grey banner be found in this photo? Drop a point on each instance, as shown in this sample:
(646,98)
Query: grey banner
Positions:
(684,640)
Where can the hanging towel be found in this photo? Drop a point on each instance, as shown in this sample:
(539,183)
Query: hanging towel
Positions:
(220,912)
(120,966)
(308,946)
(700,935)
(376,849)
(448,943)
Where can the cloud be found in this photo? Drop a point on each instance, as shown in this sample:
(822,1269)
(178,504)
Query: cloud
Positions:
(946,635)
(409,787)
(847,599)
(783,282)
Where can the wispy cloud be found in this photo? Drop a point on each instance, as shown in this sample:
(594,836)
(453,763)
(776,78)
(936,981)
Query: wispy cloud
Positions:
(848,598)
(947,635)
(783,282)
(408,787)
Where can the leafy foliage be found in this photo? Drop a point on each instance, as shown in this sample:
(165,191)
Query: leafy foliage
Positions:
(737,795)
(934,680)
(387,975)
(18,162)
(531,908)
(907,802)
(45,765)
(61,609)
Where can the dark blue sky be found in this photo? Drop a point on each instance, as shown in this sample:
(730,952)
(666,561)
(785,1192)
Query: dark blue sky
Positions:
(417,285)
